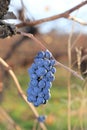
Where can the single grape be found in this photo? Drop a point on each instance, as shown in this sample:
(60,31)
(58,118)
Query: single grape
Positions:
(41,118)
(51,78)
(46,91)
(37,90)
(33,76)
(36,104)
(31,98)
(41,54)
(40,100)
(34,82)
(41,84)
(47,96)
(53,70)
(31,70)
(34,93)
(34,66)
(52,62)
(29,90)
(41,71)
(46,62)
(48,84)
(39,62)
(48,54)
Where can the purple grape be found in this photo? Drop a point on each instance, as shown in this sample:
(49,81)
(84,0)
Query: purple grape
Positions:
(30,70)
(46,62)
(47,96)
(41,84)
(41,54)
(53,70)
(29,90)
(31,98)
(33,76)
(39,62)
(34,93)
(34,66)
(34,82)
(48,84)
(41,118)
(48,54)
(40,100)
(37,90)
(52,62)
(51,78)
(36,104)
(41,71)
(46,91)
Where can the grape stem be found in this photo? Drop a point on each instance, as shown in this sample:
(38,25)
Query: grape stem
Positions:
(44,48)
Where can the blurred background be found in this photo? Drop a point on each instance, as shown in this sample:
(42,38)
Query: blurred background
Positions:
(19,52)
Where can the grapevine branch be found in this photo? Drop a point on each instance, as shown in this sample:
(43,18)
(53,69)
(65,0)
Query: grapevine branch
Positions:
(44,48)
(65,14)
(10,29)
(21,91)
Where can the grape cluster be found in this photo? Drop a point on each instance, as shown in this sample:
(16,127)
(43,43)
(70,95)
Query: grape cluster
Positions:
(41,76)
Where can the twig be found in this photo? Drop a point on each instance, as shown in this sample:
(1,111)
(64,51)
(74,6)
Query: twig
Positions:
(78,20)
(69,77)
(34,39)
(69,70)
(44,48)
(62,15)
(21,91)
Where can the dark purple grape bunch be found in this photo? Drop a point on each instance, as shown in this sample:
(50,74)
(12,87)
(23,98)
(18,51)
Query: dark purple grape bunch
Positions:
(41,77)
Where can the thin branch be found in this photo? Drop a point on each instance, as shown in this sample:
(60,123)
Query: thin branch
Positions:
(34,39)
(70,70)
(62,15)
(69,76)
(21,91)
(44,48)
(78,20)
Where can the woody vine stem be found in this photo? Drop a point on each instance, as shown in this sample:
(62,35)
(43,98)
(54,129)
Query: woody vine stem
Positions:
(44,48)
(21,91)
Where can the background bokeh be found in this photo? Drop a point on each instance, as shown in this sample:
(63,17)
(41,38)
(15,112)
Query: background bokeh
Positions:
(19,52)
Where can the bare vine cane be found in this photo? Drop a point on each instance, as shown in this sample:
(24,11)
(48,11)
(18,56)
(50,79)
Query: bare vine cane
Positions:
(65,14)
(44,48)
(42,125)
